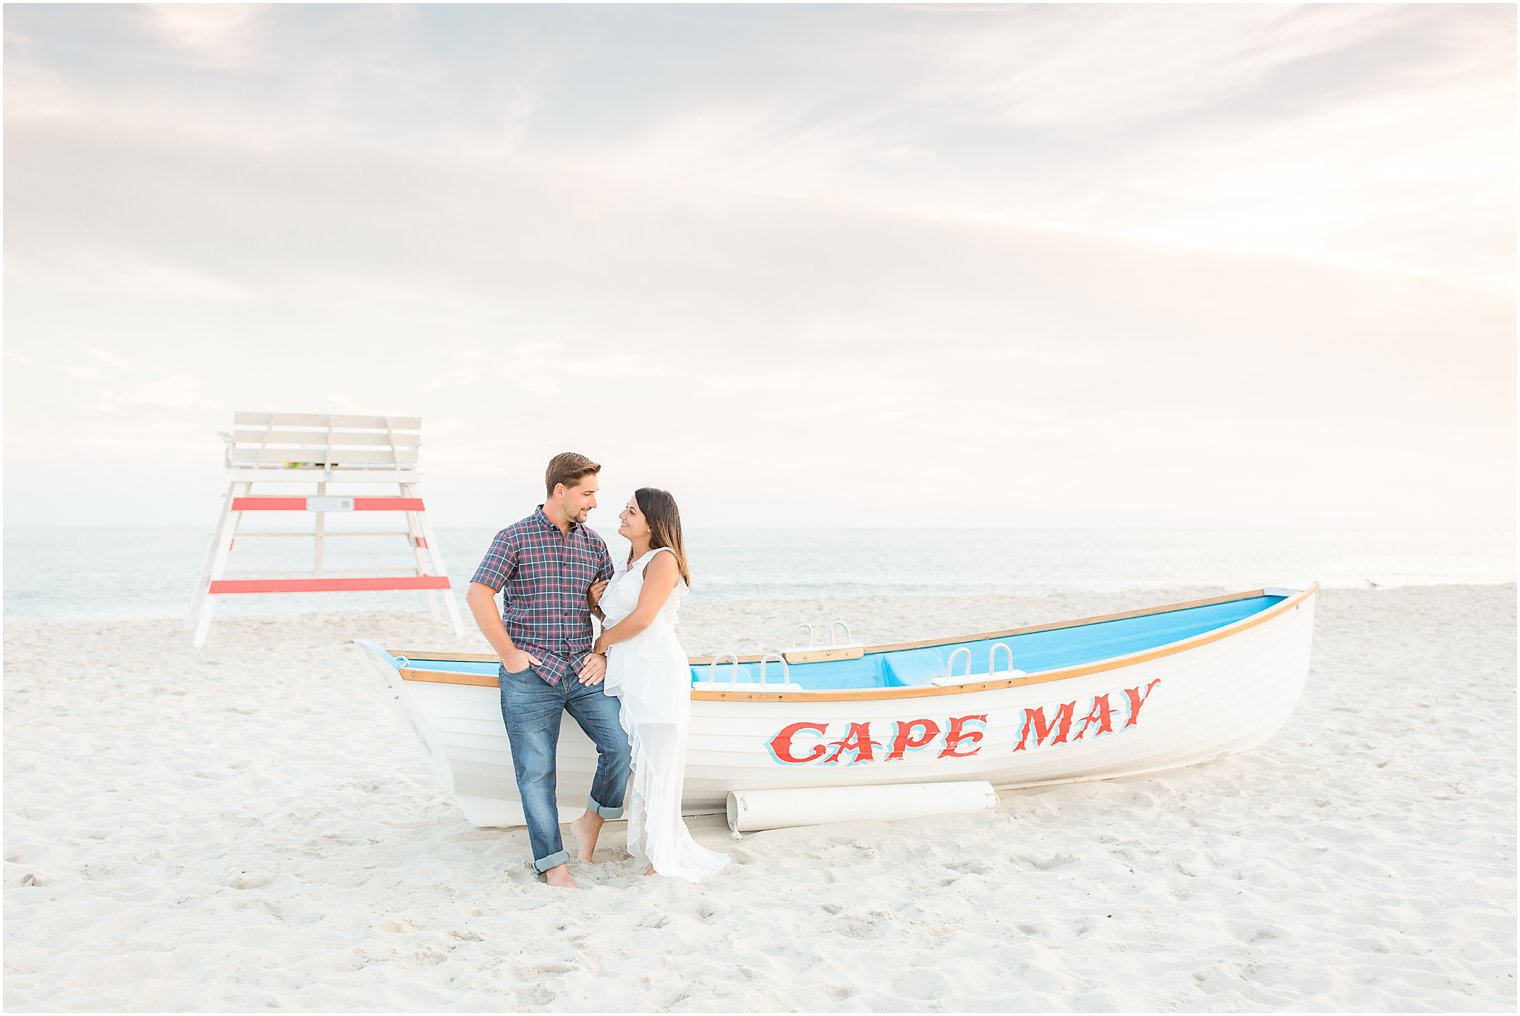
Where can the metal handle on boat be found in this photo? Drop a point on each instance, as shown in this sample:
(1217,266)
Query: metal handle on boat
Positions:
(712,668)
(950,667)
(992,657)
(839,642)
(786,672)
(811,638)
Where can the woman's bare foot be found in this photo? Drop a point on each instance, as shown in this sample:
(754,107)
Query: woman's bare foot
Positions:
(649,871)
(586,829)
(559,876)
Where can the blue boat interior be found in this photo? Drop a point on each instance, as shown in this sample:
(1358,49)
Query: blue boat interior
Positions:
(1031,652)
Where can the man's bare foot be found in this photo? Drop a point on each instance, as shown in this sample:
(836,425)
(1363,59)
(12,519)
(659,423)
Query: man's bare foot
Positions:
(559,875)
(649,871)
(586,829)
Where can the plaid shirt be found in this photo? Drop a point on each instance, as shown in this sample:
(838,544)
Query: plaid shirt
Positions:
(545,574)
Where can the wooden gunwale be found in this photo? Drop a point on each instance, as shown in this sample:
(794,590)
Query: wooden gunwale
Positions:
(698,661)
(928,691)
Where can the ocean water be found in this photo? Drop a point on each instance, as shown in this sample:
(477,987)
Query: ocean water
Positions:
(152,573)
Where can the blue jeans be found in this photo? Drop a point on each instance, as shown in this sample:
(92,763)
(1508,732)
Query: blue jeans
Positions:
(532,709)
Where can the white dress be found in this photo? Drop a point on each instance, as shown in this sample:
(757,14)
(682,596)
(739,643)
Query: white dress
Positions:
(651,678)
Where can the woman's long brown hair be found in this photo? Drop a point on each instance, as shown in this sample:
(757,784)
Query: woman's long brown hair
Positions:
(664,520)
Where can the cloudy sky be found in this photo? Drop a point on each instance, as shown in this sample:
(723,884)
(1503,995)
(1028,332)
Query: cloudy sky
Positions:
(843,265)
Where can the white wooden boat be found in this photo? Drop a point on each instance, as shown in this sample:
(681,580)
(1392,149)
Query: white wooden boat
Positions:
(1118,695)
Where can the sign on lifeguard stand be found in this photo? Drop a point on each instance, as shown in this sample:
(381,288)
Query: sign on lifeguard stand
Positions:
(376,454)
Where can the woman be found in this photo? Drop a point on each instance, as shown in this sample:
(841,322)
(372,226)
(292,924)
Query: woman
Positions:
(648,672)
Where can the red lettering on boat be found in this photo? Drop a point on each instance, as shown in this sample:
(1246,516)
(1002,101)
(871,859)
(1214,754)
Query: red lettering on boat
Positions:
(781,744)
(1100,714)
(858,740)
(958,733)
(905,739)
(1035,718)
(1136,700)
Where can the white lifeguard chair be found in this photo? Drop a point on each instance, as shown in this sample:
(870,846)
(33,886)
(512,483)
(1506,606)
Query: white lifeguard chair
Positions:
(375,454)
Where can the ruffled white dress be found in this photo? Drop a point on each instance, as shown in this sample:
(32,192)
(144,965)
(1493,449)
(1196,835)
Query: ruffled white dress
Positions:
(651,678)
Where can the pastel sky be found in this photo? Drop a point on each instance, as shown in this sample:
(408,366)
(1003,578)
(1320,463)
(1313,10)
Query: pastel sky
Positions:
(840,265)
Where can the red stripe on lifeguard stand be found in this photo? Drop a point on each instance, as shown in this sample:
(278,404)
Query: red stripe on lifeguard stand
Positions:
(349,585)
(298,504)
(269,504)
(388,504)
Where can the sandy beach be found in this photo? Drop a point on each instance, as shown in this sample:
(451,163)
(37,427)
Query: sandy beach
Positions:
(248,827)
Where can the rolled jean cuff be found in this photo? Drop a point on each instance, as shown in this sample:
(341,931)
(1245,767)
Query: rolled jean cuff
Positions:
(552,861)
(608,814)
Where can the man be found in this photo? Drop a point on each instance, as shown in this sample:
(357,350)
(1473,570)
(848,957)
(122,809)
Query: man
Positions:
(544,566)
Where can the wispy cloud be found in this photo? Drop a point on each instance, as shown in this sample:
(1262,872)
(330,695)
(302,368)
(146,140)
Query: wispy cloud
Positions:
(1075,67)
(131,386)
(108,358)
(218,35)
(1326,133)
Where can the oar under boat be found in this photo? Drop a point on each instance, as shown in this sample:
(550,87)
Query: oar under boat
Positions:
(1117,695)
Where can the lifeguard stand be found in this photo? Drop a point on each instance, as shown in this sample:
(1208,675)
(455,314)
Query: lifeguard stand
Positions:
(376,454)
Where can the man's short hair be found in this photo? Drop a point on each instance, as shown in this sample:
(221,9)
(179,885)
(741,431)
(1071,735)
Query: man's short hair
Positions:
(568,468)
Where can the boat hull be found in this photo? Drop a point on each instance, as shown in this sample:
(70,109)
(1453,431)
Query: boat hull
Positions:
(1216,694)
